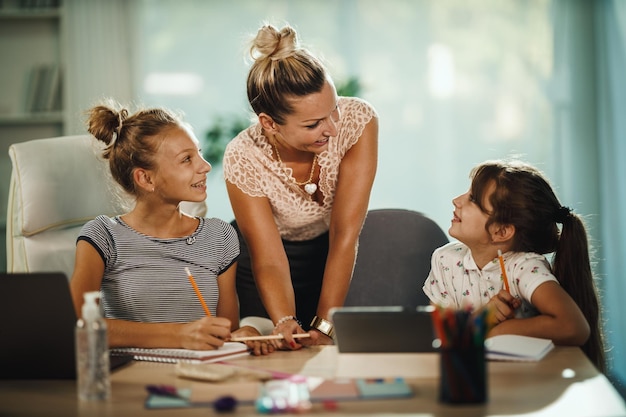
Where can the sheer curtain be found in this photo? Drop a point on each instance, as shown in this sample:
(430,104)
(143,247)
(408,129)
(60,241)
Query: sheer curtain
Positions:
(97,45)
(589,99)
(450,93)
(611,45)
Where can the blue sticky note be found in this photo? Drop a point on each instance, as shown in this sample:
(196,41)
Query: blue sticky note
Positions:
(383,388)
(166,401)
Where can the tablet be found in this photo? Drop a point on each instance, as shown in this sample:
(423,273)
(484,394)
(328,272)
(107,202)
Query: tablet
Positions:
(383,329)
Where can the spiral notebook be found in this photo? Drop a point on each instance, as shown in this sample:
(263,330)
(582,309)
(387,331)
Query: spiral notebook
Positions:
(228,351)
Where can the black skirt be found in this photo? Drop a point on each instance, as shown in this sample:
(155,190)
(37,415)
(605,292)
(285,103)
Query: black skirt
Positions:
(307,260)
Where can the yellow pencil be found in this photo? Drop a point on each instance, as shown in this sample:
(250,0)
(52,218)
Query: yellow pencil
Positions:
(198,293)
(504,278)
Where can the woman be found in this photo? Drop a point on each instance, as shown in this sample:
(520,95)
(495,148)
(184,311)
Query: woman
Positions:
(139,259)
(299,182)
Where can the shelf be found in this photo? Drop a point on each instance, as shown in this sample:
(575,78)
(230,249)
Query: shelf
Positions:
(29,119)
(26,14)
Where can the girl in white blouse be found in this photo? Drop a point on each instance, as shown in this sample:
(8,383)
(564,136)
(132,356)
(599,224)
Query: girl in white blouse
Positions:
(511,209)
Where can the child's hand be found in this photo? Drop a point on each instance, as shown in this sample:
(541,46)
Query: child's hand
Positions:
(503,306)
(207,333)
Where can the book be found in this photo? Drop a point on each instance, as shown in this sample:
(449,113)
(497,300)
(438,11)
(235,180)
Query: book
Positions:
(43,88)
(512,347)
(53,93)
(35,83)
(228,350)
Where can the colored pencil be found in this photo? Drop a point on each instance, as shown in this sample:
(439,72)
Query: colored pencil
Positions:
(504,277)
(438,325)
(198,293)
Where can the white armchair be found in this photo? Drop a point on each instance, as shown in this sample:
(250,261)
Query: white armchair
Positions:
(57,185)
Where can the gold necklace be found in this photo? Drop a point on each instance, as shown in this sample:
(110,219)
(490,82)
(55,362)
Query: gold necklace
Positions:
(309,186)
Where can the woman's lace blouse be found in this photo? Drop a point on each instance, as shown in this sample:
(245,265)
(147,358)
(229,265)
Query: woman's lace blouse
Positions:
(249,164)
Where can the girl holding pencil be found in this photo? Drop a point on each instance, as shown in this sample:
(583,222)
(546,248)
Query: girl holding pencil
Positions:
(167,278)
(505,225)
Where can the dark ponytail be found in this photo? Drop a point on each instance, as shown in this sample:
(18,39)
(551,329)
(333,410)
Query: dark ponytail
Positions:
(572,267)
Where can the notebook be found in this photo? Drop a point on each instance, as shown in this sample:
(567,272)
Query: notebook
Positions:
(37,327)
(383,329)
(228,351)
(517,348)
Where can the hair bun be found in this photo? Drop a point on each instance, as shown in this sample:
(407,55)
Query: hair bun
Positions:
(270,43)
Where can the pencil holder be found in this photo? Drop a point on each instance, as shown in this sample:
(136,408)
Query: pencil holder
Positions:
(463,374)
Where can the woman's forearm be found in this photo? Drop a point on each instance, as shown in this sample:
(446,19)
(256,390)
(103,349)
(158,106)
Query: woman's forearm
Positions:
(276,291)
(337,276)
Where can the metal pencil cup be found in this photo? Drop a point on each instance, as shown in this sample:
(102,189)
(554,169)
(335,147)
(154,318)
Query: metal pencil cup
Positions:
(463,374)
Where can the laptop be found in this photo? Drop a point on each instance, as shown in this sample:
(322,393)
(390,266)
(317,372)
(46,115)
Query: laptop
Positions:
(385,329)
(37,321)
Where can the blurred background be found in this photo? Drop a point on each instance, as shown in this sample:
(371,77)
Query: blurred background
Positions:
(454,83)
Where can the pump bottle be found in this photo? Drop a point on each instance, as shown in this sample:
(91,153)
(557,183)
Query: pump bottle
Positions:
(92,352)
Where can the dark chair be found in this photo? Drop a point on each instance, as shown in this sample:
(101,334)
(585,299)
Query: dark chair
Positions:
(393,260)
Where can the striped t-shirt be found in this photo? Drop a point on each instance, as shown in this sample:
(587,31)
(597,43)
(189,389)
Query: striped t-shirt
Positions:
(144,277)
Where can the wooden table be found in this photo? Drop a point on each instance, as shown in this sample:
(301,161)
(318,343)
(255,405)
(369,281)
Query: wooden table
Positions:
(564,383)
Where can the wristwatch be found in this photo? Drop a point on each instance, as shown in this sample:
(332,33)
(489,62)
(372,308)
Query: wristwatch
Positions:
(323,326)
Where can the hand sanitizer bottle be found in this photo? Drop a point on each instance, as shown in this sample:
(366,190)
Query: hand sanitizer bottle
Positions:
(92,352)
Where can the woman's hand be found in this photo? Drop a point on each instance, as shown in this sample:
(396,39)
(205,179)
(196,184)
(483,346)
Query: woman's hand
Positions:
(287,329)
(318,338)
(292,327)
(258,347)
(208,333)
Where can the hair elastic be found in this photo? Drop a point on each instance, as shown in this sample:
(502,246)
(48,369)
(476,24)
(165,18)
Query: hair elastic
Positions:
(562,214)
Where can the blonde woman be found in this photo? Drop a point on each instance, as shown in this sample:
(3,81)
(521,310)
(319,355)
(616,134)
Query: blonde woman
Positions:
(299,182)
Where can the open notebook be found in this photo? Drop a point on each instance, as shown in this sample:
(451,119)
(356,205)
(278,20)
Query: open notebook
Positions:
(37,327)
(228,351)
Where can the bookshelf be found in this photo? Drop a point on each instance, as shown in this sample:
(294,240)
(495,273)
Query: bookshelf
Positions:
(31,42)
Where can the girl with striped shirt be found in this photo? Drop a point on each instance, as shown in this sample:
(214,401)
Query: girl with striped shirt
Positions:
(138,260)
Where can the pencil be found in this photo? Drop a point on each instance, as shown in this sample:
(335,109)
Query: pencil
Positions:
(198,293)
(438,325)
(504,278)
(269,337)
